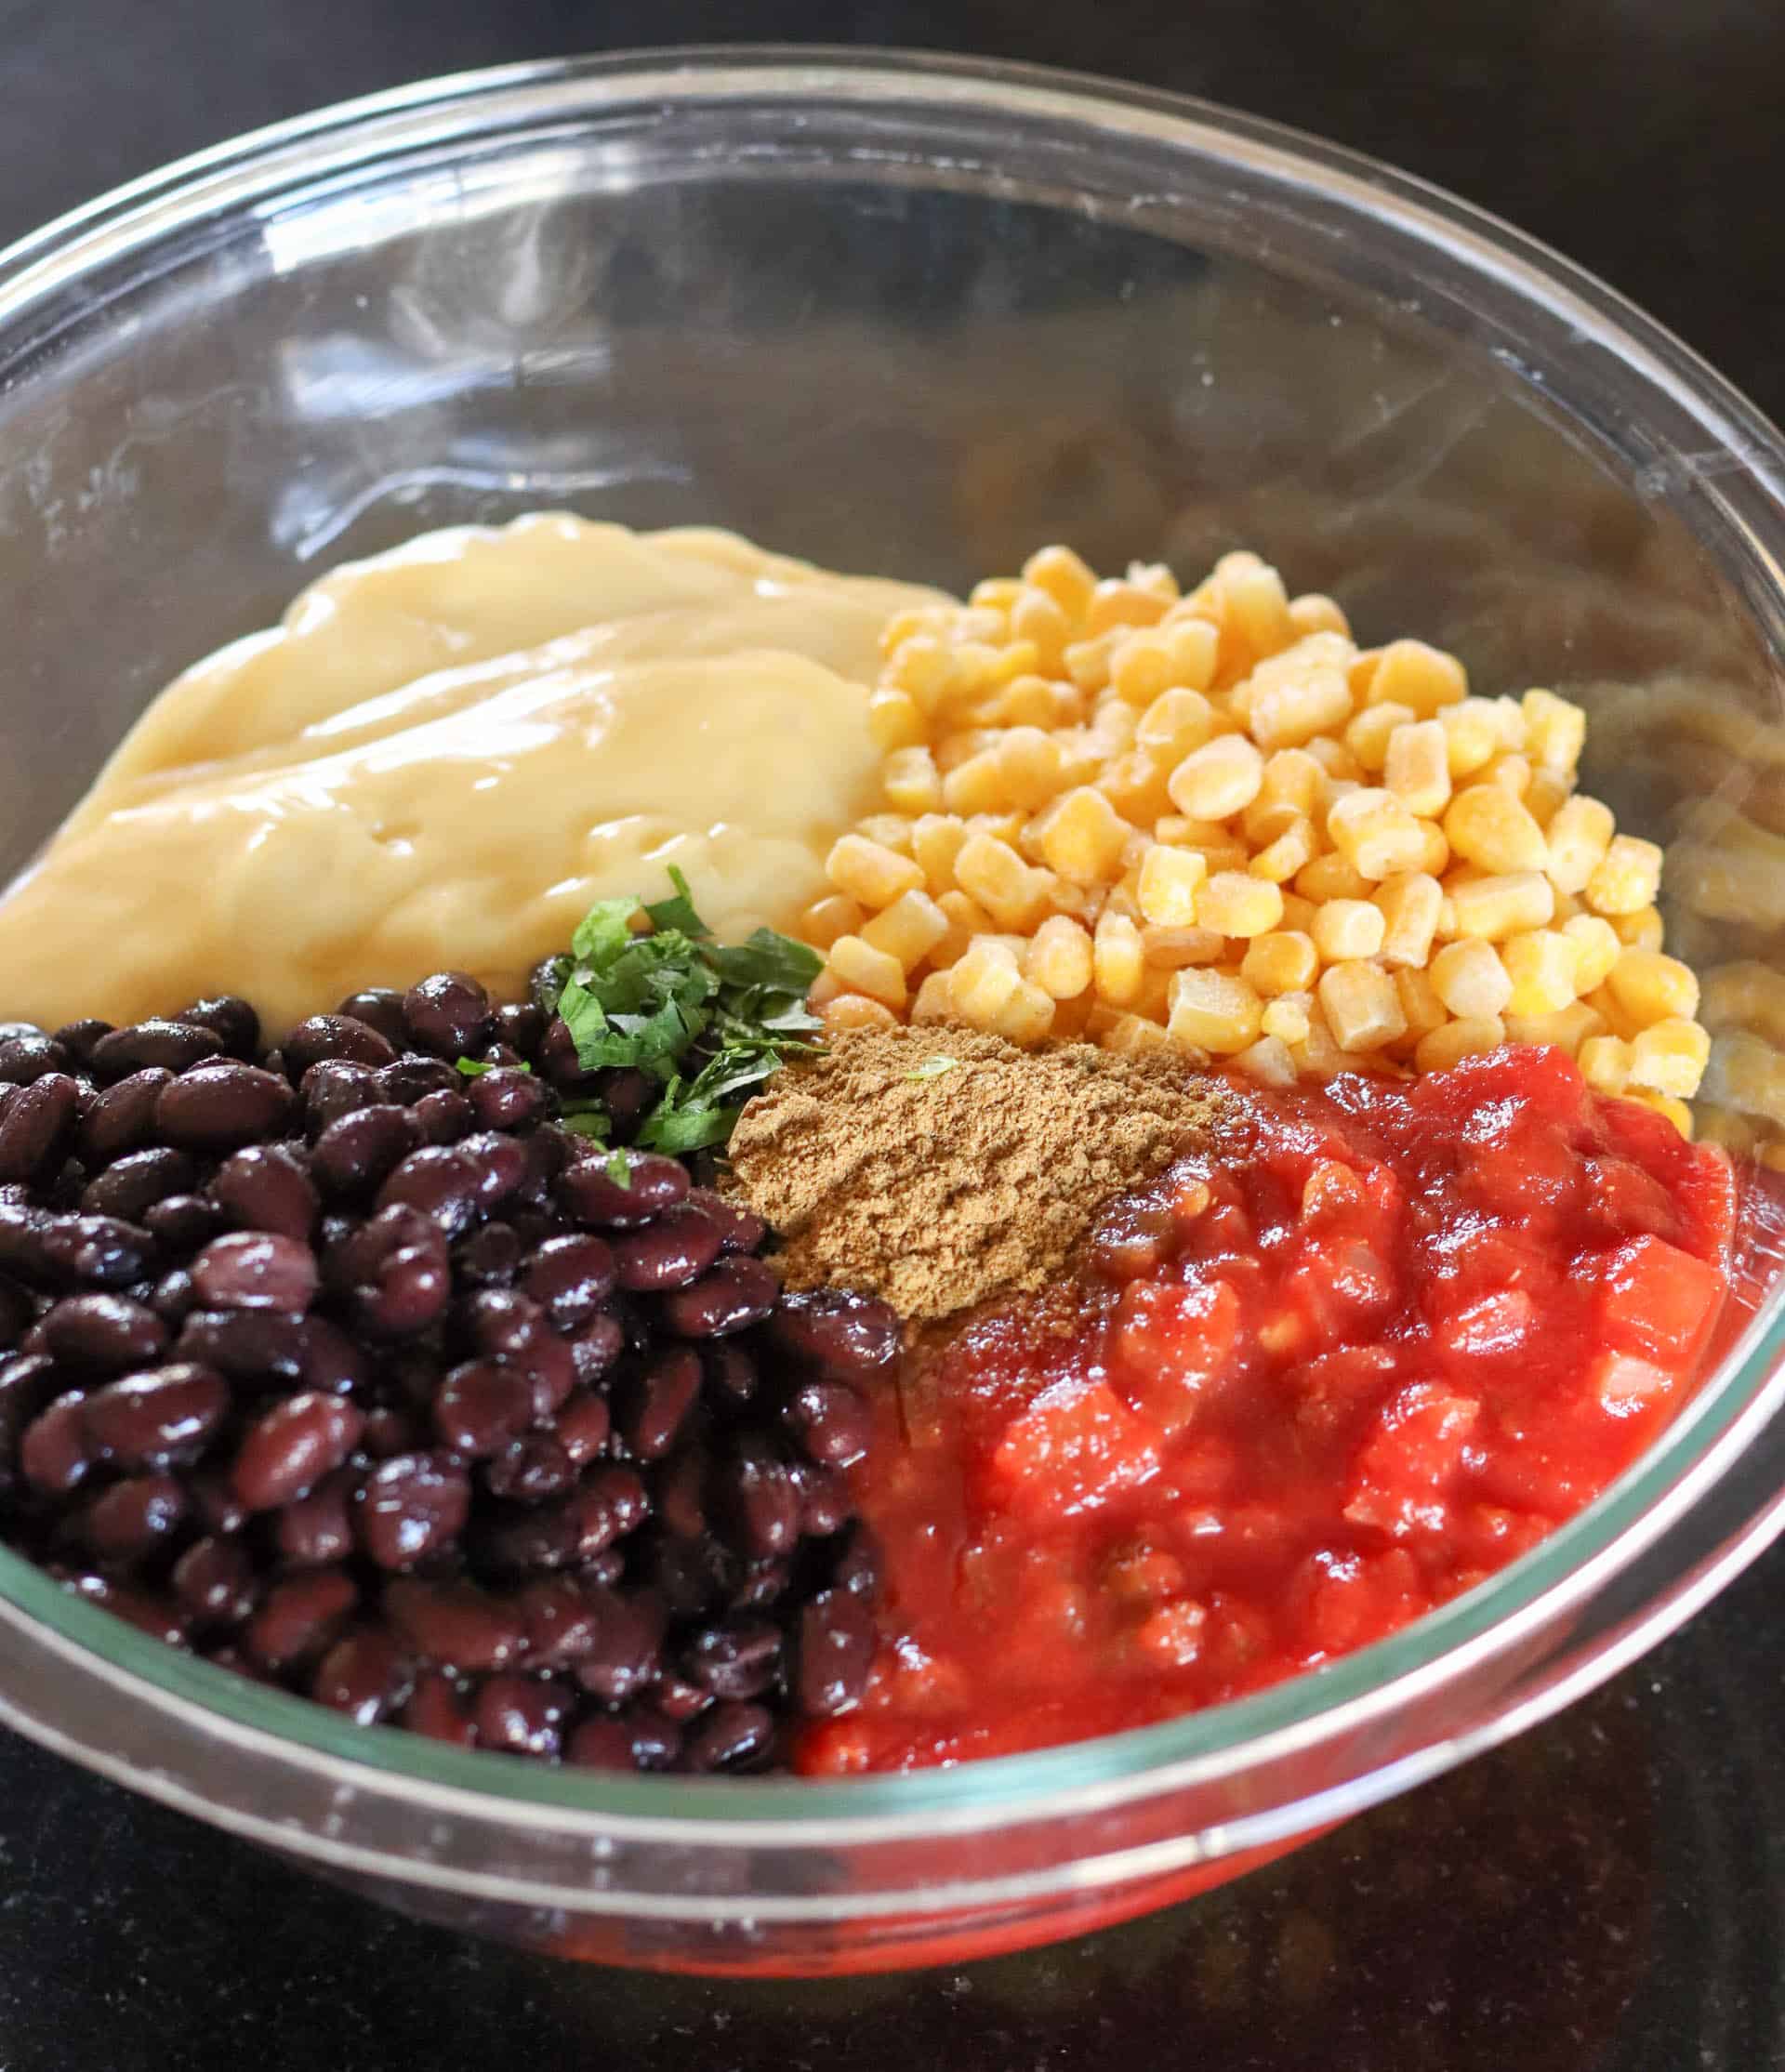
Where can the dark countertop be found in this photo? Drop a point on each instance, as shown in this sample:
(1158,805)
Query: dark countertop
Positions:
(1606,1894)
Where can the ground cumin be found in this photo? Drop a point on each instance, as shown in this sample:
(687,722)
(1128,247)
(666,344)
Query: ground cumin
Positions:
(934,1166)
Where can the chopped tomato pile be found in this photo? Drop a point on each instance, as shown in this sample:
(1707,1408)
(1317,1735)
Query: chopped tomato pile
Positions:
(1307,1388)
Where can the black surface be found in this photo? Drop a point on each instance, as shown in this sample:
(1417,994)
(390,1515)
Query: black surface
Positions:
(1607,1896)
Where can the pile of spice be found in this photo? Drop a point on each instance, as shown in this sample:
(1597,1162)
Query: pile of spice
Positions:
(938,1167)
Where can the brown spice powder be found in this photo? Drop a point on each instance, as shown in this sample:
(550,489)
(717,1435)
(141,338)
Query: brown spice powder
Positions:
(935,1166)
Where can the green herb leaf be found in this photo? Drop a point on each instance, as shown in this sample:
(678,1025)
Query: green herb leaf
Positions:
(474,1068)
(932,1068)
(592,1123)
(768,959)
(678,913)
(619,1169)
(603,931)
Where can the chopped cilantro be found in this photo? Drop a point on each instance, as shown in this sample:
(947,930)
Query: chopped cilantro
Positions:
(474,1068)
(619,1169)
(932,1068)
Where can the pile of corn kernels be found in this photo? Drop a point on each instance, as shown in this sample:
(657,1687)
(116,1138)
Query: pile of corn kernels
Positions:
(1119,813)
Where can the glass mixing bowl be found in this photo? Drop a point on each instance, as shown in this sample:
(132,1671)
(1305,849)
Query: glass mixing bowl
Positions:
(915,317)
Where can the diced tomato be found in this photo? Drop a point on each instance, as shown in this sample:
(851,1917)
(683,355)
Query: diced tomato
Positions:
(1350,1599)
(1624,1386)
(1488,1325)
(1074,1448)
(1406,1469)
(1656,1300)
(1173,1344)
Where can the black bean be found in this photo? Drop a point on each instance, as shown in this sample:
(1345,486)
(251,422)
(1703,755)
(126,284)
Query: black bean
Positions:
(134,1184)
(612,1502)
(524,1541)
(502,1321)
(329,1361)
(858,1567)
(268,1187)
(335,1087)
(102,1250)
(761,1586)
(681,1488)
(445,1117)
(481,1406)
(834,1653)
(731,1737)
(656,1738)
(560,1065)
(16,1313)
(625,1653)
(730,1371)
(549,1152)
(25,1058)
(601,1742)
(571,1277)
(412,1508)
(181,1224)
(676,1699)
(78,1038)
(550,1372)
(455,1624)
(214,1580)
(738,1291)
(830,1421)
(740,1228)
(596,1347)
(36,1124)
(380,1008)
(488,1258)
(230,1018)
(415,1077)
(246,1345)
(390,1430)
(132,1518)
(355,1153)
(339,1038)
(583,1425)
(521,1025)
(367,1675)
(507,1099)
(497,1055)
(164,1414)
(219,1508)
(437,1708)
(173,1046)
(694,1578)
(521,1716)
(627,1095)
(531,1471)
(439,1181)
(105,1334)
(316,1531)
(292,1446)
(670,1252)
(825,1506)
(499,1163)
(738,1658)
(655,1403)
(299,1618)
(449,1014)
(561,1622)
(220,1107)
(848,1334)
(756,1502)
(27,1383)
(145,1609)
(255,1269)
(587,1192)
(123,1117)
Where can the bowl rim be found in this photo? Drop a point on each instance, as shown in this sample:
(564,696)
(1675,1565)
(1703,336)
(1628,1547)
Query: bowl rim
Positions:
(1737,463)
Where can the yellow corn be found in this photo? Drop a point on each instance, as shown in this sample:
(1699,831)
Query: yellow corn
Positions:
(862,968)
(1669,1057)
(1238,904)
(1639,931)
(1555,730)
(1470,979)
(1410,902)
(1626,878)
(1029,763)
(1213,1011)
(828,918)
(1487,827)
(1376,834)
(1542,965)
(1281,960)
(1115,603)
(936,840)
(1291,851)
(1676,1112)
(1127,1034)
(1080,836)
(909,930)
(1176,721)
(1269,1060)
(895,720)
(1067,579)
(856,1010)
(1604,1064)
(966,918)
(910,781)
(1441,1048)
(1011,892)
(982,982)
(1368,734)
(869,872)
(1420,1007)
(1219,779)
(1650,988)
(1578,835)
(1166,892)
(1568,1029)
(1409,673)
(1345,930)
(1362,1008)
(1169,949)
(1117,964)
(1471,737)
(1497,906)
(1299,693)
(932,1002)
(1059,957)
(1417,769)
(1287,1017)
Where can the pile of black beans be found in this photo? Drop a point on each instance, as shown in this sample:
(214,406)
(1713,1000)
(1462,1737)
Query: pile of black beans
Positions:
(369,1378)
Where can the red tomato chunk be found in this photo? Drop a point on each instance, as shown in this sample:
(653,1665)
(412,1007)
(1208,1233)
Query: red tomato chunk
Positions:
(1307,1389)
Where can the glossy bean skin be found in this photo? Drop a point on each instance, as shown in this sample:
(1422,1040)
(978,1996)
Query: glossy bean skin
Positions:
(221,1107)
(163,1415)
(288,1450)
(412,1508)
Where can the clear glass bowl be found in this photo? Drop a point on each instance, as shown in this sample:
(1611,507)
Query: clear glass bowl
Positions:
(915,317)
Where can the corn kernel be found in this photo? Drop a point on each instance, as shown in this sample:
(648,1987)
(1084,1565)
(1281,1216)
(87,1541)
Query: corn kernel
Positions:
(1596,949)
(1408,903)
(1167,890)
(910,781)
(1291,851)
(1650,988)
(1140,668)
(1087,661)
(1066,577)
(1487,827)
(909,930)
(1578,835)
(976,785)
(1129,1035)
(1238,904)
(856,1010)
(1299,693)
(1361,1005)
(932,1002)
(1218,780)
(1313,612)
(936,840)
(1676,1112)
(1169,949)
(1345,930)
(1115,603)
(967,918)
(1213,1011)
(1174,723)
(1331,877)
(1254,606)
(1336,759)
(1134,783)
(1036,702)
(1669,1057)
(1626,879)
(1026,1017)
(1375,833)
(1639,931)
(982,982)
(891,830)
(1440,1049)
(1039,618)
(1542,964)
(923,668)
(1555,729)
(864,969)
(828,918)
(1059,958)
(1318,1056)
(1417,769)
(1282,960)
(1118,963)
(823,990)
(1011,892)
(1269,1060)
(869,872)
(1368,734)
(1421,1006)
(1546,794)
(1568,1029)
(1471,737)
(1470,979)
(895,720)
(1029,762)
(1502,906)
(1080,836)
(1287,1017)
(1604,1064)
(1435,853)
(1410,673)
